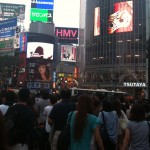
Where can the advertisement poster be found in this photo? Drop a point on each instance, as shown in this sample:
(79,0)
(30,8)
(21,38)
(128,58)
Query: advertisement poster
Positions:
(122,18)
(8,27)
(42,4)
(97,21)
(40,50)
(42,15)
(39,71)
(8,11)
(68,53)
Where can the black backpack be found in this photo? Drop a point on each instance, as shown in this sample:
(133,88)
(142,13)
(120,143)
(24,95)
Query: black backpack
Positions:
(11,119)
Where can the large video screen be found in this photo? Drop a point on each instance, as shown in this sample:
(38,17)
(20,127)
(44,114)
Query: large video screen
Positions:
(40,50)
(68,53)
(97,21)
(122,18)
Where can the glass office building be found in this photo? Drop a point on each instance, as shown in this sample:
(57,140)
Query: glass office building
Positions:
(115,40)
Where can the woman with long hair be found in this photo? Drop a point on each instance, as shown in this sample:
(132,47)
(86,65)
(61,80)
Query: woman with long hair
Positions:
(137,132)
(83,125)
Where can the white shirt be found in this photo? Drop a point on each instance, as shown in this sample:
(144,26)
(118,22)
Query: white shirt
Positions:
(4,108)
(46,112)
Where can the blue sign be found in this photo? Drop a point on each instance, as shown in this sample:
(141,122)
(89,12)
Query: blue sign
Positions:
(8,27)
(42,4)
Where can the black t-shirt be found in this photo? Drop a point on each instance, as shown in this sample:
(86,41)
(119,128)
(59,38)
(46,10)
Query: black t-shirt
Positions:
(59,113)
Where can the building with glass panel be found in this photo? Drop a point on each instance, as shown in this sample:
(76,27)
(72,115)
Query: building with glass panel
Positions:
(114,43)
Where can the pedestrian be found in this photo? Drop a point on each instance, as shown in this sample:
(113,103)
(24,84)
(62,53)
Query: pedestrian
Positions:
(59,114)
(137,132)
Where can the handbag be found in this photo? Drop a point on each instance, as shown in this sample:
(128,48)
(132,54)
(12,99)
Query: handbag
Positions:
(63,140)
(107,141)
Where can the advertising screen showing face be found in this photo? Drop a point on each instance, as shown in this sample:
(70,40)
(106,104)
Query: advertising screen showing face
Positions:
(68,53)
(122,18)
(40,50)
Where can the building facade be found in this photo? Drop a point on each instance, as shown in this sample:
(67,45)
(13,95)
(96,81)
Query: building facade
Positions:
(116,54)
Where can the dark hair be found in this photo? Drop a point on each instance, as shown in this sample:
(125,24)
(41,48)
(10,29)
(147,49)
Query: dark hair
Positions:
(47,72)
(53,99)
(107,105)
(3,142)
(137,113)
(24,94)
(84,107)
(65,93)
(117,107)
(45,94)
(10,96)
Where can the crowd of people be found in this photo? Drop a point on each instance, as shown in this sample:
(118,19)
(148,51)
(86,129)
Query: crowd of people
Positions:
(96,123)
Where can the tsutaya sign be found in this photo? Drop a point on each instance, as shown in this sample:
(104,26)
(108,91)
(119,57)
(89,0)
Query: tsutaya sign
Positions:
(134,84)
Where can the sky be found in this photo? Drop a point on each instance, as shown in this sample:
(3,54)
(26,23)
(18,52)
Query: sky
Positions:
(66,12)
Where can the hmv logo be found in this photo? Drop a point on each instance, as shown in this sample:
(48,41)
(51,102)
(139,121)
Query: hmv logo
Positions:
(67,32)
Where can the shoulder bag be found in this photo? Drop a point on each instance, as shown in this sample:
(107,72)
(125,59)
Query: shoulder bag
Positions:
(63,140)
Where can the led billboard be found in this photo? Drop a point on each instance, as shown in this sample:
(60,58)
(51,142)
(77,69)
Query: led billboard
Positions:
(97,21)
(8,11)
(40,50)
(68,53)
(42,15)
(67,35)
(42,4)
(8,27)
(122,18)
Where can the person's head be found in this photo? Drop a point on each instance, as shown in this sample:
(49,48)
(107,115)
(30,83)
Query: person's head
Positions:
(24,94)
(10,96)
(137,113)
(117,107)
(43,72)
(107,105)
(65,93)
(53,99)
(45,94)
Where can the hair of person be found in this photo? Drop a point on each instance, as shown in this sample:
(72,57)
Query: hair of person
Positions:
(24,94)
(137,113)
(10,96)
(65,93)
(117,107)
(84,107)
(47,72)
(53,99)
(45,94)
(107,105)
(3,142)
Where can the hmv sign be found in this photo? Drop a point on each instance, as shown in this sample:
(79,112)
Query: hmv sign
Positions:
(67,35)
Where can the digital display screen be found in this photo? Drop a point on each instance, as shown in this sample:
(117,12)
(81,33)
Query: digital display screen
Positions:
(68,53)
(97,21)
(40,50)
(122,18)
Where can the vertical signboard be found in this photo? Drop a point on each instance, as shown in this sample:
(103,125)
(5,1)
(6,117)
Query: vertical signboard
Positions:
(17,37)
(8,27)
(97,21)
(122,18)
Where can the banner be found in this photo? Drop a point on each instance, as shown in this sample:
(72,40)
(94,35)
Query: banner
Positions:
(8,11)
(42,4)
(42,15)
(8,27)
(17,37)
